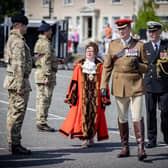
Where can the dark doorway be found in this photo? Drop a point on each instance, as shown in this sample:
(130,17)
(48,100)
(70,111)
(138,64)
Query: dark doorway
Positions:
(89,27)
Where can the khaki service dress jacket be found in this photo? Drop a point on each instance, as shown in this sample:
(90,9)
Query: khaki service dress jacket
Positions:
(126,80)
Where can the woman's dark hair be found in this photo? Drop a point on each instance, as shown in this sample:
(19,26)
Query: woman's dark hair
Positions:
(95,47)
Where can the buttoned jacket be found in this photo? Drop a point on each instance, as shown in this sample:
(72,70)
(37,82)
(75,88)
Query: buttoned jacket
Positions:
(126,80)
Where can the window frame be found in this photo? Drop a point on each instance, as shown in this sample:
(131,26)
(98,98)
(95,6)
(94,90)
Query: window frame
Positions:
(45,4)
(105,21)
(69,18)
(90,3)
(116,3)
(161,2)
(67,2)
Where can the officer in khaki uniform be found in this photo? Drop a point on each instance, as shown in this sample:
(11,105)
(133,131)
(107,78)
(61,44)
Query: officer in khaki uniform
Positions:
(19,65)
(127,58)
(45,76)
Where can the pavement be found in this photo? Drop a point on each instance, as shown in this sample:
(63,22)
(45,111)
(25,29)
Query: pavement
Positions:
(50,150)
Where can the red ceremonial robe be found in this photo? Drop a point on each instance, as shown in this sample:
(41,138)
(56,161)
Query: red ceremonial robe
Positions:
(75,122)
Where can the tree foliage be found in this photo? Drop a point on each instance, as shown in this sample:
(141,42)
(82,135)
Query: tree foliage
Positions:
(9,8)
(145,14)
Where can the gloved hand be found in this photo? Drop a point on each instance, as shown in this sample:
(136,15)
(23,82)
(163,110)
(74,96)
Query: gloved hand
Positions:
(136,63)
(105,98)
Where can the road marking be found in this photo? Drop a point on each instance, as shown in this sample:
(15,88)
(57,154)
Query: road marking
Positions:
(31,109)
(63,76)
(56,117)
(59,118)
(4,102)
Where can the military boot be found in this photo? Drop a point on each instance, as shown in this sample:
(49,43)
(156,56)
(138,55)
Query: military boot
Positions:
(18,150)
(45,127)
(124,134)
(139,133)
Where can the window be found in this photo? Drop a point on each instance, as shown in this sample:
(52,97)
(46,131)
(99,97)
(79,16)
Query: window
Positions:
(67,2)
(116,1)
(126,17)
(69,20)
(114,19)
(77,21)
(105,21)
(161,1)
(164,19)
(46,3)
(90,1)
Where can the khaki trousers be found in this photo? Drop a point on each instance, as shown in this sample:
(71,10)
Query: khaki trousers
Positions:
(16,112)
(43,100)
(135,103)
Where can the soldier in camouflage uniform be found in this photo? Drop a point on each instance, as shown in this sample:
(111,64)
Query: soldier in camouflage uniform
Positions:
(19,65)
(45,76)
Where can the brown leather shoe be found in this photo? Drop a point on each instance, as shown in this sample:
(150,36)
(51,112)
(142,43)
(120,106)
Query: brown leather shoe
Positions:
(19,150)
(124,152)
(45,127)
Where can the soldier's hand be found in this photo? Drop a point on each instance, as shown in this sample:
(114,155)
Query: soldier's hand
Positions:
(20,92)
(46,82)
(136,63)
(105,100)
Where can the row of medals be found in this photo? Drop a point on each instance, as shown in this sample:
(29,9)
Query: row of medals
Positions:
(164,55)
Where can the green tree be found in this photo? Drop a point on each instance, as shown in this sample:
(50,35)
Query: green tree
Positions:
(9,8)
(145,14)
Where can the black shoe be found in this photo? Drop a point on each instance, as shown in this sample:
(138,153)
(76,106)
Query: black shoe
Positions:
(19,150)
(166,140)
(45,127)
(150,144)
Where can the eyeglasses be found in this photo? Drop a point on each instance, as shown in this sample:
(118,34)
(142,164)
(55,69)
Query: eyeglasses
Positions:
(89,51)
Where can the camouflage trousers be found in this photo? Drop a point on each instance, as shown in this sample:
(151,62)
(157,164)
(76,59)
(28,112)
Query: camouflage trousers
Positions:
(43,100)
(16,112)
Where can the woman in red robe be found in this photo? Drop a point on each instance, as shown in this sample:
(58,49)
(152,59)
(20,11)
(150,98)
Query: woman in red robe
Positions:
(87,109)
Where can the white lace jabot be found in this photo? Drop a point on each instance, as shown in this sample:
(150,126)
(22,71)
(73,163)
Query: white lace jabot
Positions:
(89,67)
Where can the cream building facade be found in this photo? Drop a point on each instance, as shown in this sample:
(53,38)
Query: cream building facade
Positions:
(89,16)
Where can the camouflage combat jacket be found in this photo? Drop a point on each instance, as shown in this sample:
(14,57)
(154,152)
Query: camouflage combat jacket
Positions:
(19,62)
(46,66)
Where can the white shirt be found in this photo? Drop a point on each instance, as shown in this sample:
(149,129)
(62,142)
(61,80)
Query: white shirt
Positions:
(158,44)
(89,67)
(125,42)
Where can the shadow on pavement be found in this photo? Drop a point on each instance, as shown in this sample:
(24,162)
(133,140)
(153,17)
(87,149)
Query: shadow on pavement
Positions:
(55,156)
(38,158)
(96,148)
(151,158)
